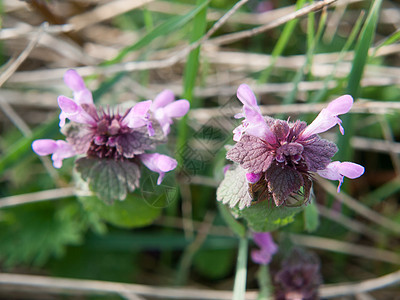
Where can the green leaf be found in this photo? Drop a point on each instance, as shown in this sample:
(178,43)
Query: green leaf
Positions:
(173,24)
(131,213)
(311,217)
(265,216)
(109,179)
(31,234)
(233,190)
(219,264)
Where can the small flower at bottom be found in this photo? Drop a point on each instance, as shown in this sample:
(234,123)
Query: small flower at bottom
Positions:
(299,277)
(280,157)
(267,246)
(112,143)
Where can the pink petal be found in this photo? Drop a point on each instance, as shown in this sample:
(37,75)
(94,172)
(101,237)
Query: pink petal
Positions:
(247,97)
(254,124)
(67,105)
(340,105)
(252,177)
(141,108)
(177,109)
(327,118)
(74,112)
(138,116)
(238,132)
(83,97)
(60,150)
(44,147)
(74,81)
(331,171)
(351,170)
(337,170)
(163,99)
(258,127)
(158,163)
(226,168)
(63,151)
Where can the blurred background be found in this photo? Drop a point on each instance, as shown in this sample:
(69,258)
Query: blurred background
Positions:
(132,50)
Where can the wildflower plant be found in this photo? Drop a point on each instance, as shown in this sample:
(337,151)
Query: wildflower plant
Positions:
(277,159)
(112,145)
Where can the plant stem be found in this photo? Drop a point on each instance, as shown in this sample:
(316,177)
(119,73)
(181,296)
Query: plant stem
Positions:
(264,282)
(239,288)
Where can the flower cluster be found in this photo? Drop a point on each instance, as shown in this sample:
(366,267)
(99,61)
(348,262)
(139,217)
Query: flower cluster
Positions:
(279,157)
(299,277)
(100,134)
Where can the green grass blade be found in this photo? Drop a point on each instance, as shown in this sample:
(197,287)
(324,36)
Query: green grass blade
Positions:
(280,44)
(171,25)
(190,72)
(189,82)
(356,73)
(350,40)
(314,39)
(22,148)
(393,38)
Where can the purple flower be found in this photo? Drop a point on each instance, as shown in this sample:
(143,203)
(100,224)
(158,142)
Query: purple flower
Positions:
(337,170)
(279,157)
(60,150)
(164,109)
(327,118)
(267,246)
(106,135)
(299,277)
(254,123)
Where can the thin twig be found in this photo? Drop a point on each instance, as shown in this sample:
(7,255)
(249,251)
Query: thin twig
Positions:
(37,197)
(359,208)
(233,37)
(14,117)
(35,284)
(22,56)
(205,114)
(344,247)
(176,57)
(187,209)
(388,135)
(190,251)
(350,224)
(7,109)
(104,12)
(336,290)
(63,286)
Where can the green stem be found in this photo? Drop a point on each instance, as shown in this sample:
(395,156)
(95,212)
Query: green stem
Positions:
(264,282)
(239,288)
